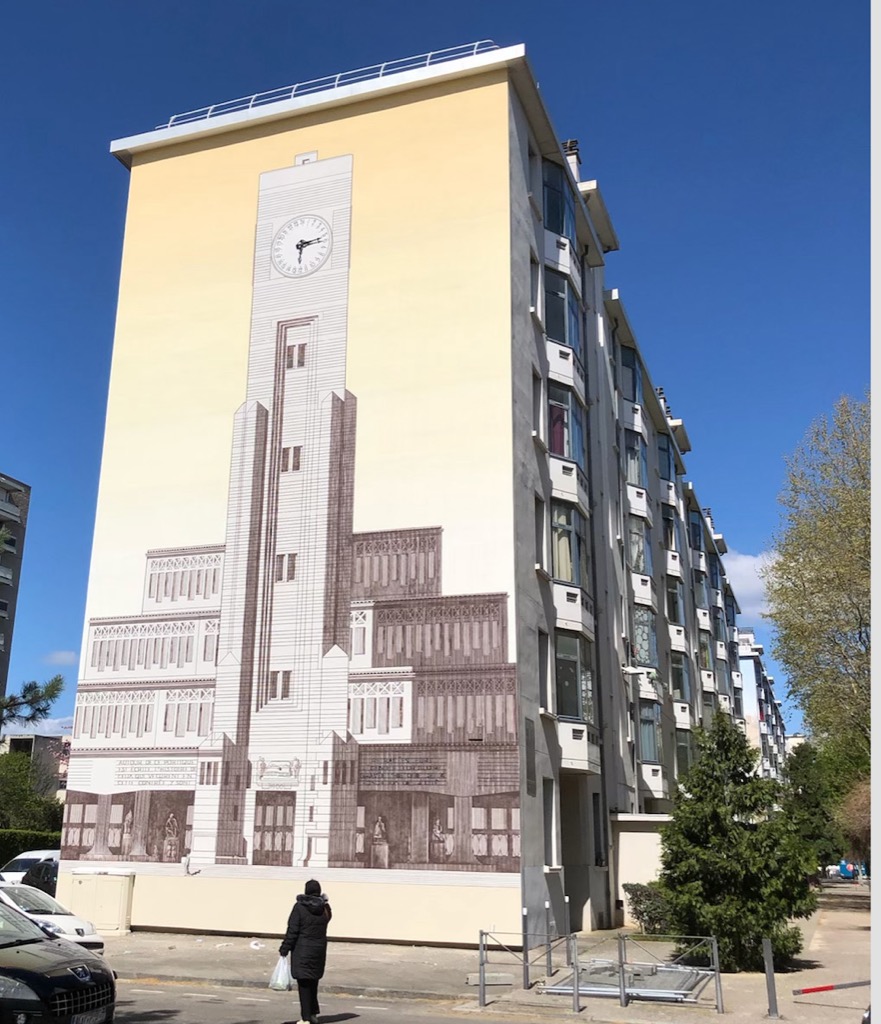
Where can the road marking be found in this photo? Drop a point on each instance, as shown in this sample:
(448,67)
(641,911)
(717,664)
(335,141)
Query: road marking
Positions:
(200,995)
(143,991)
(251,999)
(362,1007)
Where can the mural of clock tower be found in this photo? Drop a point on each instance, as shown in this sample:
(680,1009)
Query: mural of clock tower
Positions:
(282,658)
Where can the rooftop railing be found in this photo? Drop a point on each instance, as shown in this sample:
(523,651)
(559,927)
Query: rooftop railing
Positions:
(390,67)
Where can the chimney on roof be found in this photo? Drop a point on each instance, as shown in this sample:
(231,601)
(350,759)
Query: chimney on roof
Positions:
(708,515)
(570,149)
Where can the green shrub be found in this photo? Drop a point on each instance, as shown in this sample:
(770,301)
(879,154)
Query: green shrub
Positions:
(649,906)
(14,841)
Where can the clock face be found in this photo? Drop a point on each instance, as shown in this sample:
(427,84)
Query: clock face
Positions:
(302,245)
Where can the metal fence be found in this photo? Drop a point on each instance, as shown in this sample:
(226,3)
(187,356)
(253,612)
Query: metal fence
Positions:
(656,968)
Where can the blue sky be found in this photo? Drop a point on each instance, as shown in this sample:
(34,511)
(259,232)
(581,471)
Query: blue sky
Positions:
(731,142)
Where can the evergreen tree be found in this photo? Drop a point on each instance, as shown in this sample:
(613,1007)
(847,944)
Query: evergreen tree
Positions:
(810,800)
(32,705)
(733,867)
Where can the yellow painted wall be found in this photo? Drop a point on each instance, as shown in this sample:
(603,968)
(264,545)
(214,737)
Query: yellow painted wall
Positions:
(425,913)
(429,334)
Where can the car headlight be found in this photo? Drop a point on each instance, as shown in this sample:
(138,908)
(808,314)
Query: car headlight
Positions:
(12,989)
(89,927)
(55,929)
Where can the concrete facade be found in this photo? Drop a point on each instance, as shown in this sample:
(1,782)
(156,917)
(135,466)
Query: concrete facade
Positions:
(434,605)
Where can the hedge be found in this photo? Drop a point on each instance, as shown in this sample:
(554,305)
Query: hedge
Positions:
(14,841)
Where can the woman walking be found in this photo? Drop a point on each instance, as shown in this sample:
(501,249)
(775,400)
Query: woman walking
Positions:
(306,941)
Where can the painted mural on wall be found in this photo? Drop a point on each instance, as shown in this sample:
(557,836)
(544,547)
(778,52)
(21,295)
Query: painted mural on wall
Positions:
(298,695)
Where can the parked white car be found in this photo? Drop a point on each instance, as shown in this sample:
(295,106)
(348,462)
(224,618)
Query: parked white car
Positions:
(15,869)
(47,912)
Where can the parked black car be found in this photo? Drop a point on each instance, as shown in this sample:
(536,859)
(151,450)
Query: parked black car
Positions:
(45,980)
(42,876)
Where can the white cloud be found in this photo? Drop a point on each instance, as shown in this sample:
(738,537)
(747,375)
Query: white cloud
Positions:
(61,658)
(48,727)
(743,574)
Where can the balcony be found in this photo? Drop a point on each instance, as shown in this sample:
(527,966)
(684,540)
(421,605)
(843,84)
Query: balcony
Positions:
(681,714)
(716,599)
(667,493)
(632,417)
(579,747)
(698,560)
(708,681)
(568,483)
(574,609)
(6,575)
(678,638)
(9,511)
(724,702)
(559,254)
(736,680)
(644,590)
(654,779)
(703,619)
(639,502)
(721,651)
(674,564)
(564,367)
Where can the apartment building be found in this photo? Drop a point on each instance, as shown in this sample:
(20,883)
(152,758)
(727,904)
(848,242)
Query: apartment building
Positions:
(49,755)
(762,715)
(14,500)
(433,604)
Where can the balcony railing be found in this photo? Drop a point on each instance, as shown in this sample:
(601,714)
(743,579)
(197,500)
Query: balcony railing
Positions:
(289,92)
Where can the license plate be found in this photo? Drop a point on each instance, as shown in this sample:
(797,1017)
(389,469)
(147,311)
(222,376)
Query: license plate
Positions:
(92,1017)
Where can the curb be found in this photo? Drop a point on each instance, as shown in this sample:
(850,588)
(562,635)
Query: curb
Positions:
(330,989)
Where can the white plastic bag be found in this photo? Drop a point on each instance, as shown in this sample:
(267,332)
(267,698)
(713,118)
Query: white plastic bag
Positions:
(281,980)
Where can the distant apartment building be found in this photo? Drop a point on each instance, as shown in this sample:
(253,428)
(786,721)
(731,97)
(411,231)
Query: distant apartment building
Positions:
(763,718)
(49,756)
(14,500)
(409,587)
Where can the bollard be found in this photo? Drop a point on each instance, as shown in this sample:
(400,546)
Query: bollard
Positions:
(769,978)
(481,960)
(720,1006)
(525,950)
(576,979)
(549,953)
(622,981)
(568,930)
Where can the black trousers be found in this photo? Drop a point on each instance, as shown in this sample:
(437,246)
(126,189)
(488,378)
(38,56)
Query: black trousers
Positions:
(308,998)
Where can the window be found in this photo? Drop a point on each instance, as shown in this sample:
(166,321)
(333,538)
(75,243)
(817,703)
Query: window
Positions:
(562,311)
(684,751)
(672,529)
(738,704)
(566,428)
(559,203)
(4,609)
(536,404)
(635,459)
(645,637)
(285,568)
(549,796)
(296,356)
(723,677)
(715,572)
(640,535)
(543,688)
(680,676)
(650,747)
(290,459)
(666,458)
(292,567)
(701,595)
(570,552)
(730,610)
(675,601)
(539,532)
(719,626)
(696,530)
(705,652)
(574,676)
(279,568)
(11,543)
(631,375)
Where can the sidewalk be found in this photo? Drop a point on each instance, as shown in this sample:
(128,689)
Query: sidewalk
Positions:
(836,950)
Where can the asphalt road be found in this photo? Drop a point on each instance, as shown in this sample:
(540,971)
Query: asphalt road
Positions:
(141,1002)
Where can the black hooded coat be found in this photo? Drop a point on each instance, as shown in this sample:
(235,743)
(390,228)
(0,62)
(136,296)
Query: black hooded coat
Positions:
(306,937)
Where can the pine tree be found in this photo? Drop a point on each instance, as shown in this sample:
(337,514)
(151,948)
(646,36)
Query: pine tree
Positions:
(731,865)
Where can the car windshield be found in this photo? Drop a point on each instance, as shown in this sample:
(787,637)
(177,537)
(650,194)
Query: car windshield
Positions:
(32,901)
(15,927)
(20,864)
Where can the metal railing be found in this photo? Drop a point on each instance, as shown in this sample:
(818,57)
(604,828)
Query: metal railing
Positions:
(289,92)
